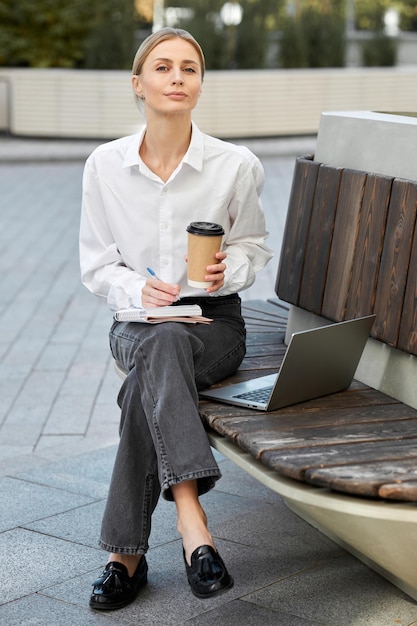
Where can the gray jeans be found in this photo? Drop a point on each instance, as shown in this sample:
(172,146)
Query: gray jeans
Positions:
(162,439)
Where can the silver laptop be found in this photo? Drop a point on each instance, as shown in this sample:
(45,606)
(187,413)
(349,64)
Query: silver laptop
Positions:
(317,362)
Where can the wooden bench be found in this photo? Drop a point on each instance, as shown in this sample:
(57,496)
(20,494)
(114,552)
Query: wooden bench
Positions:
(346,463)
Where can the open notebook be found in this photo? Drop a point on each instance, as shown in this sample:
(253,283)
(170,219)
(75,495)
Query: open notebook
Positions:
(317,362)
(186,313)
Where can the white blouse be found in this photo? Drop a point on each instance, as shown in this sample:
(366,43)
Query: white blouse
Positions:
(131,219)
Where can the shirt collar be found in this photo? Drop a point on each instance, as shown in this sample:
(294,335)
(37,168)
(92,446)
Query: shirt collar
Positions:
(195,153)
(193,157)
(132,153)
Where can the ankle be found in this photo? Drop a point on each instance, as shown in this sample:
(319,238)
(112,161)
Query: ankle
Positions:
(194,534)
(192,520)
(130,561)
(191,542)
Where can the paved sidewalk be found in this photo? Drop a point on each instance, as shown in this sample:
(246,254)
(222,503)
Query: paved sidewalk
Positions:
(58,436)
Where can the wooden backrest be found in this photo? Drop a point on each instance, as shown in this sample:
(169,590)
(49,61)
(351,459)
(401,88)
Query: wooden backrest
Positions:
(350,249)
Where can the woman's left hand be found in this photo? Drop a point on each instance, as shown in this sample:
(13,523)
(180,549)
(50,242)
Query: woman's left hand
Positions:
(215,273)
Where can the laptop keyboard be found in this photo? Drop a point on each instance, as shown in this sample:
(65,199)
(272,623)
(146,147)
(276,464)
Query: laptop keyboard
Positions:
(257,395)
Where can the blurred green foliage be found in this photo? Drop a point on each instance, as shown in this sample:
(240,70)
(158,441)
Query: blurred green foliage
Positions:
(110,43)
(67,33)
(42,34)
(313,35)
(379,51)
(369,14)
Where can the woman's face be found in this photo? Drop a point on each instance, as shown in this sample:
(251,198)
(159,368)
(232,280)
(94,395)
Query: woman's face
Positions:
(170,81)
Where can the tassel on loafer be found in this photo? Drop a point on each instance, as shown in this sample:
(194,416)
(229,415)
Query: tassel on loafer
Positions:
(207,574)
(115,588)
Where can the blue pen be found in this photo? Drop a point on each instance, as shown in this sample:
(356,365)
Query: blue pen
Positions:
(152,273)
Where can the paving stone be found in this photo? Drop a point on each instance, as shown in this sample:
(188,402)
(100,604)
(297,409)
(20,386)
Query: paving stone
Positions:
(24,502)
(48,442)
(8,451)
(14,459)
(38,610)
(34,401)
(57,356)
(79,526)
(238,612)
(33,562)
(20,435)
(340,592)
(85,444)
(236,481)
(87,474)
(275,527)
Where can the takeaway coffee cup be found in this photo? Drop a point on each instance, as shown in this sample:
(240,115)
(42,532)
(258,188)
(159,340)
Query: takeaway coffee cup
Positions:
(204,240)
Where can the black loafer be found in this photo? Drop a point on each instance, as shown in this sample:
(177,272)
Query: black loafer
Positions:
(207,574)
(115,588)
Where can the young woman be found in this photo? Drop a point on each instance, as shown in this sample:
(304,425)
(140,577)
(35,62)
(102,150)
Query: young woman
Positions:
(139,195)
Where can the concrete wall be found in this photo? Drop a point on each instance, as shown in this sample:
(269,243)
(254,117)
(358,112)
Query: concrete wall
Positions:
(99,104)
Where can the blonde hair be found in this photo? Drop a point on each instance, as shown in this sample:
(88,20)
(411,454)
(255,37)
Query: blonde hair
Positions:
(161,35)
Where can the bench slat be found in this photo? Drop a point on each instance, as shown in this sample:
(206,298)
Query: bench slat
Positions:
(408,336)
(262,309)
(294,463)
(296,229)
(283,421)
(364,479)
(260,442)
(265,350)
(319,239)
(259,364)
(343,246)
(406,490)
(262,337)
(365,267)
(395,262)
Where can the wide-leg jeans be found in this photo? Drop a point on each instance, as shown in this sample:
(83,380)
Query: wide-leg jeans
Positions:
(162,438)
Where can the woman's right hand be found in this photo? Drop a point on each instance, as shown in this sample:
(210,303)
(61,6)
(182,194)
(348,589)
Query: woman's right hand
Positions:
(157,293)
